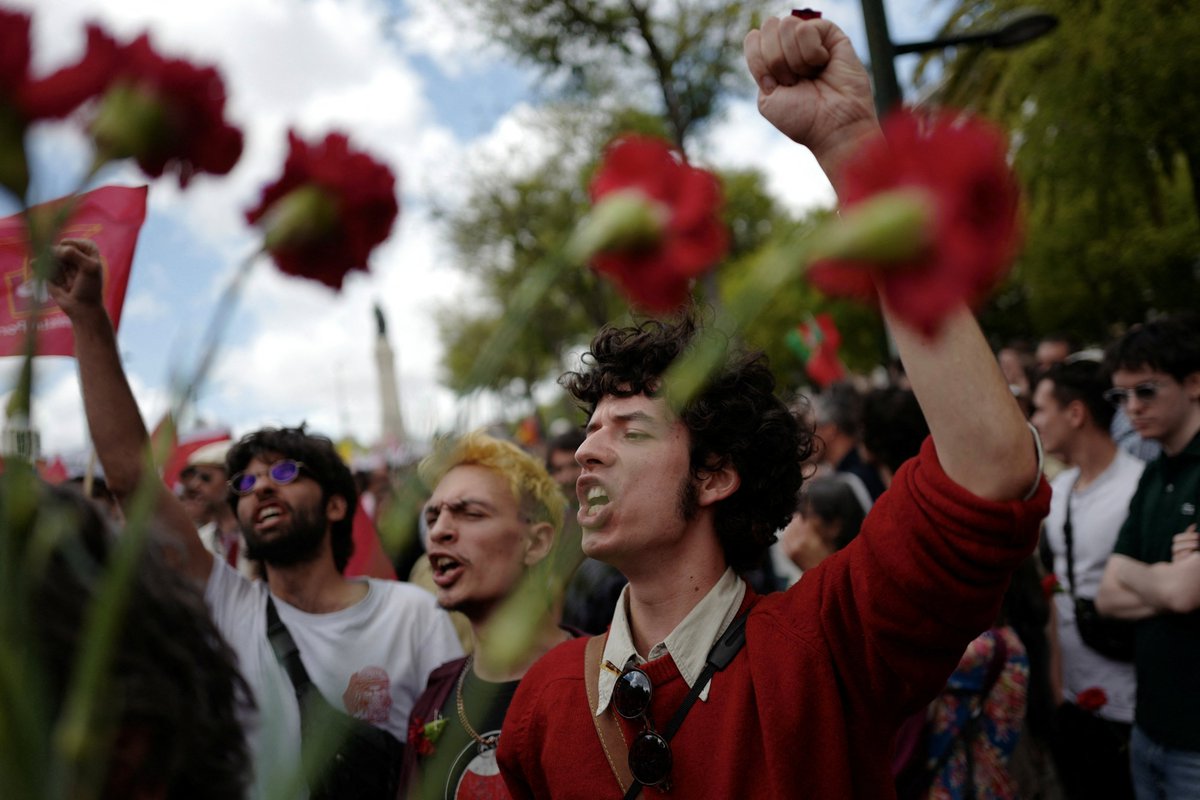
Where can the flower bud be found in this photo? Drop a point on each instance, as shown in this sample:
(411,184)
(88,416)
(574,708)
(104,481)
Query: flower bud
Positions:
(892,227)
(301,216)
(130,123)
(620,221)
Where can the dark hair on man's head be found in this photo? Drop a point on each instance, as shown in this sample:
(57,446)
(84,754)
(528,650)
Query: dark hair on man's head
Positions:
(893,426)
(1170,344)
(735,420)
(320,461)
(840,405)
(565,442)
(1085,381)
(174,692)
(831,498)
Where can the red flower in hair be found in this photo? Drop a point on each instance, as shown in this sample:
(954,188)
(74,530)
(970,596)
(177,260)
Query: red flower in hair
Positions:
(331,207)
(167,113)
(1091,699)
(960,165)
(679,234)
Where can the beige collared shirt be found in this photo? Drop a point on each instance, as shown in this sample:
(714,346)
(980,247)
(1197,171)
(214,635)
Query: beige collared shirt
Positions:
(688,644)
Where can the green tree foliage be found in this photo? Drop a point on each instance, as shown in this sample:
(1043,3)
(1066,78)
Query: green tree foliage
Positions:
(1106,122)
(686,52)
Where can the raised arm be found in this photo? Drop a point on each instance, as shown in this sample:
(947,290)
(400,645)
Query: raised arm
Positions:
(114,421)
(813,88)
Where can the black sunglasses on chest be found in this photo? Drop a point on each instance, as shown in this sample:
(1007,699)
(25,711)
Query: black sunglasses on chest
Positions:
(649,753)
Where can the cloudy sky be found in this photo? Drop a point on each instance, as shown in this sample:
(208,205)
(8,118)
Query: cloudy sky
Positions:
(419,90)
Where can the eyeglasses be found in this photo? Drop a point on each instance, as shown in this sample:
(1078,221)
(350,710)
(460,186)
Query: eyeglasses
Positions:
(1144,392)
(650,753)
(281,473)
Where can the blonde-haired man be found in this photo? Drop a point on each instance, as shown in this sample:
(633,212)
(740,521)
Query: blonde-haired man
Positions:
(495,513)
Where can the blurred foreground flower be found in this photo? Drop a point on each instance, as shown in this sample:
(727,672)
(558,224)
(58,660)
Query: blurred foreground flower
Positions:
(655,225)
(1091,699)
(24,99)
(958,168)
(328,210)
(165,112)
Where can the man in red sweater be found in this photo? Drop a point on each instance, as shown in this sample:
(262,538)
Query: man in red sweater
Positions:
(678,502)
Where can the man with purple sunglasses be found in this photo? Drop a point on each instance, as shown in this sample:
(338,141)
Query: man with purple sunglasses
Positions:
(318,649)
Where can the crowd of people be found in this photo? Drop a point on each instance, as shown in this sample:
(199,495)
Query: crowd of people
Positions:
(899,637)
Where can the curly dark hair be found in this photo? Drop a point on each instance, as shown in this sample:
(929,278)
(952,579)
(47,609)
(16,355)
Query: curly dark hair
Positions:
(1170,344)
(735,420)
(173,685)
(320,459)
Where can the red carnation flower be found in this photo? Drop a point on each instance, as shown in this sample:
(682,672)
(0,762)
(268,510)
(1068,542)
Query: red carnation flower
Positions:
(1049,585)
(167,113)
(1092,699)
(24,99)
(960,165)
(806,13)
(331,207)
(679,238)
(417,738)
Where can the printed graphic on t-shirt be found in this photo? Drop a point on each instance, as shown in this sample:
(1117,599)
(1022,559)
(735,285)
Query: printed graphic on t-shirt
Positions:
(368,695)
(480,777)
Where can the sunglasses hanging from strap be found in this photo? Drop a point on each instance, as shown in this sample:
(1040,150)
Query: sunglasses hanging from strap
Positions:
(616,750)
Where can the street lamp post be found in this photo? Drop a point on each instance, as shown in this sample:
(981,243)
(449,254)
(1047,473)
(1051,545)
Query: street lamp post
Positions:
(1016,29)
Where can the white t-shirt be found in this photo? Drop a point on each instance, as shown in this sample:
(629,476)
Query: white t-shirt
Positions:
(1097,514)
(370,660)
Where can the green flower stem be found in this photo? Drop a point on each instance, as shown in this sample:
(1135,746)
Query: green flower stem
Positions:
(520,308)
(188,388)
(891,229)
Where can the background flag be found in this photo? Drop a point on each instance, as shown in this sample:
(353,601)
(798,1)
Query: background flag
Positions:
(110,216)
(815,341)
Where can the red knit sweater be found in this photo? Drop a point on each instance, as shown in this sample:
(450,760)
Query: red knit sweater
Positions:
(810,707)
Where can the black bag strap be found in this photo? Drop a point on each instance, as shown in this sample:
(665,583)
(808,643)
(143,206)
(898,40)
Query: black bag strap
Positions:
(288,654)
(1069,536)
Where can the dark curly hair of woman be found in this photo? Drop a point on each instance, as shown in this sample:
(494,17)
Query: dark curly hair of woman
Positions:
(174,694)
(736,419)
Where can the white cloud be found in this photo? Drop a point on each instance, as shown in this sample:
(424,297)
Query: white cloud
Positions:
(743,139)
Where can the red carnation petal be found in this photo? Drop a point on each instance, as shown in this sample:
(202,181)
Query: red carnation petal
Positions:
(961,164)
(657,277)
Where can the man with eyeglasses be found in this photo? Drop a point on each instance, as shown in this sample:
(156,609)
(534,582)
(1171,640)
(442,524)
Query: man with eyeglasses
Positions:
(357,650)
(1154,574)
(494,517)
(807,704)
(1090,501)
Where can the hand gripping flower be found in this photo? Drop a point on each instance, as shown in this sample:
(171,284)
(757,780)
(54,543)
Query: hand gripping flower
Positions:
(331,207)
(655,225)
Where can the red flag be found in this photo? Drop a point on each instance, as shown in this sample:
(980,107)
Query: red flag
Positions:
(368,558)
(53,471)
(111,217)
(816,342)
